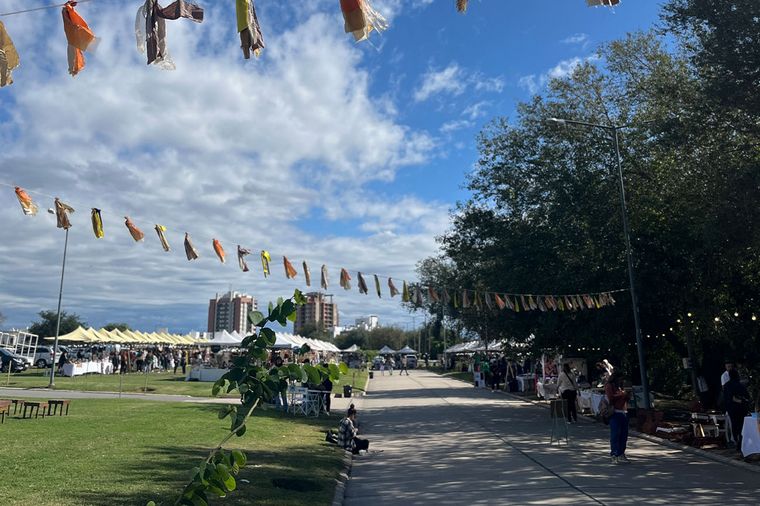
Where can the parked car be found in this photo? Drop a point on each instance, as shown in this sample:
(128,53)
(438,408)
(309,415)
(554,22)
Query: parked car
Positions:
(8,359)
(411,361)
(44,355)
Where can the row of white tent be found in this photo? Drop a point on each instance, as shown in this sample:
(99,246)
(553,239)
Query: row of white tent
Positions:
(387,350)
(284,341)
(475,346)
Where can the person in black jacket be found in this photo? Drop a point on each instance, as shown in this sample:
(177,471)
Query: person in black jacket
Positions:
(736,399)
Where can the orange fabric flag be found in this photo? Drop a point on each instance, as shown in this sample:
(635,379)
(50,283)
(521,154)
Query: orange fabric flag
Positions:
(27,205)
(290,271)
(79,36)
(499,301)
(345,279)
(392,288)
(219,251)
(136,233)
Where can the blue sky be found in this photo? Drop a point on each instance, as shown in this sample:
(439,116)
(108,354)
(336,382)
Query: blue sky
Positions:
(323,150)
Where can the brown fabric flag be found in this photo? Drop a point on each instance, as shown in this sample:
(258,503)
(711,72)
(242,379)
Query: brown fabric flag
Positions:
(462,6)
(251,39)
(135,232)
(540,304)
(62,214)
(9,59)
(306,273)
(433,294)
(190,251)
(161,231)
(325,281)
(394,291)
(290,271)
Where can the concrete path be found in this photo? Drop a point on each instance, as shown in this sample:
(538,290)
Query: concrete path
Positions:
(444,442)
(43,393)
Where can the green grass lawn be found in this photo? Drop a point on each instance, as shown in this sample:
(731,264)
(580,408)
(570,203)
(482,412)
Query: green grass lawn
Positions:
(112,452)
(158,383)
(355,377)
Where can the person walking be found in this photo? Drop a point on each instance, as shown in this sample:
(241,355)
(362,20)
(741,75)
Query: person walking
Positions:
(389,364)
(736,400)
(618,399)
(568,390)
(403,366)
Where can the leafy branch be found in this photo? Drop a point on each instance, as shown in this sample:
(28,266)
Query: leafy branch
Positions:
(255,382)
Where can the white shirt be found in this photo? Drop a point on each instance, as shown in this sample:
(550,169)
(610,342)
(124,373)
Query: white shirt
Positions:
(724,378)
(565,383)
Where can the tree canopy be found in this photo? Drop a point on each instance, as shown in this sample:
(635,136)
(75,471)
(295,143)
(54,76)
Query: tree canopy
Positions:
(544,215)
(45,326)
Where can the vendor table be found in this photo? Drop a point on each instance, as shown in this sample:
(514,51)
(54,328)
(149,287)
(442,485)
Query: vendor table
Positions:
(751,436)
(82,368)
(546,390)
(210,374)
(526,382)
(589,399)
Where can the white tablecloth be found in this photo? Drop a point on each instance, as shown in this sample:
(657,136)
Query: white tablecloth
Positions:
(526,382)
(87,368)
(590,399)
(210,374)
(750,436)
(546,390)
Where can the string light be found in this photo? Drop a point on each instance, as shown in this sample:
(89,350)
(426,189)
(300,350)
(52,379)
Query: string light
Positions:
(736,314)
(754,317)
(716,319)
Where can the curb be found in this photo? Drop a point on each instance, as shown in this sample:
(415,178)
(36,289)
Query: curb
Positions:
(652,439)
(343,477)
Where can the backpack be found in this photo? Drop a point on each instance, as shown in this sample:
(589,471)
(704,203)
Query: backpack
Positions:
(606,410)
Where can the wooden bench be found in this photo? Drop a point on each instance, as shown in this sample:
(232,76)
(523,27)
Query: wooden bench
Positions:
(17,404)
(34,408)
(5,409)
(53,405)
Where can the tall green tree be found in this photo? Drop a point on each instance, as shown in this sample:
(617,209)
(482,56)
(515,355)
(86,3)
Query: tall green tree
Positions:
(45,326)
(119,326)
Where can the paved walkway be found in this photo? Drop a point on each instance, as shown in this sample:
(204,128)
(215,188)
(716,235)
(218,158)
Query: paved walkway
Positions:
(445,442)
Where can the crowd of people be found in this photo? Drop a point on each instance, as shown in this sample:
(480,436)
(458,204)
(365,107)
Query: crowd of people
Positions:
(145,360)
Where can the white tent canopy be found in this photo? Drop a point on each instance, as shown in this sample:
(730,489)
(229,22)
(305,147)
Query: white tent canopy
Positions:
(224,338)
(351,349)
(385,350)
(406,350)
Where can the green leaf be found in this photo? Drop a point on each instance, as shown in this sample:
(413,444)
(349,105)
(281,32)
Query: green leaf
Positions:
(269,335)
(334,372)
(288,308)
(294,370)
(270,307)
(217,491)
(193,473)
(151,503)
(241,431)
(240,458)
(299,297)
(292,316)
(224,411)
(230,483)
(343,368)
(313,374)
(198,500)
(255,317)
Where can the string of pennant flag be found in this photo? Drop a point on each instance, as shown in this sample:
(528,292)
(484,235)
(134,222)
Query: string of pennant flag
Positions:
(360,20)
(414,293)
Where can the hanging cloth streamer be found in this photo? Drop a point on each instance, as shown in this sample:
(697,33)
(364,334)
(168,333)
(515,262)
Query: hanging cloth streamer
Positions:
(79,37)
(219,250)
(487,300)
(290,271)
(27,204)
(465,300)
(150,28)
(392,288)
(248,26)
(62,214)
(190,251)
(345,279)
(242,253)
(306,273)
(432,294)
(499,301)
(446,297)
(361,18)
(362,284)
(377,287)
(97,223)
(325,281)
(265,260)
(405,293)
(136,233)
(462,6)
(161,231)
(9,59)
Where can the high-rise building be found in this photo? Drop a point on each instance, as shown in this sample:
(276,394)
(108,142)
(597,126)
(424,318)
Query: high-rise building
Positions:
(230,312)
(319,310)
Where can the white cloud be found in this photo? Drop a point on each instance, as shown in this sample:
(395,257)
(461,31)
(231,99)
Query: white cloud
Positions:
(454,80)
(476,110)
(449,80)
(534,83)
(454,125)
(246,152)
(577,38)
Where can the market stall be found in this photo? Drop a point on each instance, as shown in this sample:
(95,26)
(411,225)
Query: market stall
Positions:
(91,367)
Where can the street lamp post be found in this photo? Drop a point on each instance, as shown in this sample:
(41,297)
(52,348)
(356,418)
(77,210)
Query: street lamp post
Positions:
(626,232)
(58,322)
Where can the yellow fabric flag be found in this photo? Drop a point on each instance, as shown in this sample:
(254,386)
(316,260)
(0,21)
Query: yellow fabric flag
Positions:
(405,293)
(161,231)
(265,259)
(97,223)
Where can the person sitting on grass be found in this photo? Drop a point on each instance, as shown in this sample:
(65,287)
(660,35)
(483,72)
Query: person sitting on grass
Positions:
(347,434)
